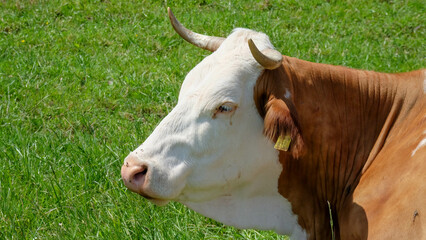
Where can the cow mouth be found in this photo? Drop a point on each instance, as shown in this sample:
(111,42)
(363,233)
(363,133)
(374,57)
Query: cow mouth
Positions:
(157,201)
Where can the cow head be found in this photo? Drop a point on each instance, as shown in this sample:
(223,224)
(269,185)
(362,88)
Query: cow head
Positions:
(210,152)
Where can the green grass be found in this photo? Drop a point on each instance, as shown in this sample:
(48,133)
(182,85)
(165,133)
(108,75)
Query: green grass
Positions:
(82,83)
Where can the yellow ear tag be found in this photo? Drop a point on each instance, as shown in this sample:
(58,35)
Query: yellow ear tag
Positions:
(283,143)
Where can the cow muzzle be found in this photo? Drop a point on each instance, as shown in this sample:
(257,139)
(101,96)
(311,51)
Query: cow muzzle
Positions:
(134,175)
(147,180)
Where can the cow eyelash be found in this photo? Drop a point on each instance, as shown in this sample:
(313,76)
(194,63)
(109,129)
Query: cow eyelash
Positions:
(225,108)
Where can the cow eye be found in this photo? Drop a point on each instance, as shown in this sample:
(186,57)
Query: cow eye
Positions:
(225,108)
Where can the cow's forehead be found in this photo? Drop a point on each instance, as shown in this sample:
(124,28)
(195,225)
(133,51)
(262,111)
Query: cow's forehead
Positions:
(223,73)
(237,41)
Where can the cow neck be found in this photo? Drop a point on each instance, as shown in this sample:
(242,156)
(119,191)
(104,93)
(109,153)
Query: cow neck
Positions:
(344,116)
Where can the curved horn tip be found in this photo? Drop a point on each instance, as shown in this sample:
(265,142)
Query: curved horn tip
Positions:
(170,13)
(202,41)
(171,17)
(268,58)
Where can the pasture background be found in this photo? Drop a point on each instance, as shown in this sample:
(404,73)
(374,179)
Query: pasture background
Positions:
(82,83)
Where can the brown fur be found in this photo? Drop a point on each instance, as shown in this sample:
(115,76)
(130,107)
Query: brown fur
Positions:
(346,126)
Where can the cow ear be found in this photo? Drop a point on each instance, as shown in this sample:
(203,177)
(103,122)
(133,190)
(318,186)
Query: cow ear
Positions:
(279,124)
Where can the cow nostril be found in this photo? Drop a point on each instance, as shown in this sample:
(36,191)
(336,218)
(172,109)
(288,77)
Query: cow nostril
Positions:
(138,176)
(141,174)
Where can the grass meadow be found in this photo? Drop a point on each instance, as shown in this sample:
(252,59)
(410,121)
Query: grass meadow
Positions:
(84,82)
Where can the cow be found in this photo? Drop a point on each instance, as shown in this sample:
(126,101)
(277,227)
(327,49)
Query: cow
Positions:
(266,141)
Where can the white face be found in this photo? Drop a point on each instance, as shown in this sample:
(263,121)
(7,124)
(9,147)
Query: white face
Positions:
(211,138)
(210,149)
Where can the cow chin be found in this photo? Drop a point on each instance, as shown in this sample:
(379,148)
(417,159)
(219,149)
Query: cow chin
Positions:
(158,202)
(155,200)
(149,196)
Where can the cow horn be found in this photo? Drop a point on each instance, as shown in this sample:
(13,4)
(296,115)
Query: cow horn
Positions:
(203,41)
(268,58)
